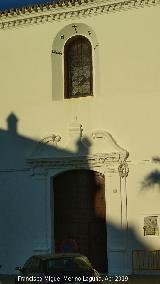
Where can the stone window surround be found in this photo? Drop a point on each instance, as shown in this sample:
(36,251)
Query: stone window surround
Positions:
(58,58)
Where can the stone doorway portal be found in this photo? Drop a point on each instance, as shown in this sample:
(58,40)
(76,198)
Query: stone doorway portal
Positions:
(80,214)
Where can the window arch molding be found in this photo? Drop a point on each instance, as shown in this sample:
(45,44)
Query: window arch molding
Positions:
(58,49)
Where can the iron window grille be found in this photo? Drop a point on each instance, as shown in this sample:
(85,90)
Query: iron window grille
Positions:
(78,74)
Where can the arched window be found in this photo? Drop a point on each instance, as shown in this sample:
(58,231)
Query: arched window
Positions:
(78,81)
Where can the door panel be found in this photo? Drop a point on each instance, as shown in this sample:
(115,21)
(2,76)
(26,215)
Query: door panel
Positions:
(97,247)
(80,213)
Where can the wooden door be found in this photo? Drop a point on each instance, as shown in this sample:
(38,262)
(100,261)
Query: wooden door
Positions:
(80,214)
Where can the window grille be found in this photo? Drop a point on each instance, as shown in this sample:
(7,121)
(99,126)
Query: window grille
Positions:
(78,81)
(145,260)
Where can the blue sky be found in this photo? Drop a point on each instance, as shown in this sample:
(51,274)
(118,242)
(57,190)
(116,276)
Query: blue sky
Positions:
(8,4)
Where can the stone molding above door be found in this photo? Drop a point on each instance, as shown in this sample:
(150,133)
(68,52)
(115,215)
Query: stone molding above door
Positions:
(96,150)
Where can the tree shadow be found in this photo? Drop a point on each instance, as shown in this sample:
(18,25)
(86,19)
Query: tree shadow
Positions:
(153,178)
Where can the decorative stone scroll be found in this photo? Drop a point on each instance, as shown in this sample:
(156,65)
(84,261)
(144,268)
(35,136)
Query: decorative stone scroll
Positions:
(98,150)
(53,139)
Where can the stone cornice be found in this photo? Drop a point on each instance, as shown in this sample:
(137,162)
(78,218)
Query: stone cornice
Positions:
(110,161)
(66,10)
(97,159)
(40,166)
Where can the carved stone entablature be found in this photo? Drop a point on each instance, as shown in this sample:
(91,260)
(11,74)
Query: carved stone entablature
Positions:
(110,161)
(96,150)
(65,10)
(39,171)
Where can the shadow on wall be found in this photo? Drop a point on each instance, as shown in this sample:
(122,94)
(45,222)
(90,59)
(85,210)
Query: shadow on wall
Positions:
(25,217)
(153,178)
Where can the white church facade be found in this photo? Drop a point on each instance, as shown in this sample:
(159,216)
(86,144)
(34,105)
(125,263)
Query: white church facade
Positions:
(79,136)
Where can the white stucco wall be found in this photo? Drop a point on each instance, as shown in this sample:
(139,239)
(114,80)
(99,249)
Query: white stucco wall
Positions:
(125,103)
(128,49)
